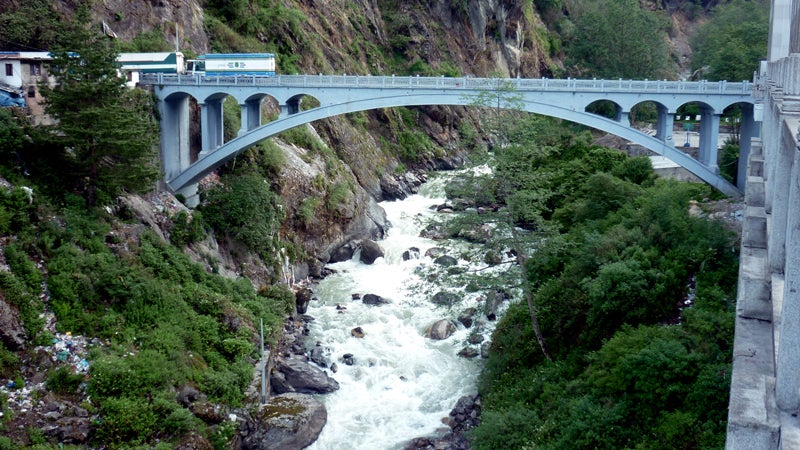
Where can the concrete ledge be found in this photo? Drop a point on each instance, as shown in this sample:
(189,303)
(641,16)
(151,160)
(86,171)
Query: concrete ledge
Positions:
(790,432)
(755,194)
(754,229)
(753,422)
(754,299)
(756,168)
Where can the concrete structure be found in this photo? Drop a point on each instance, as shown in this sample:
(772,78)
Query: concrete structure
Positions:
(566,99)
(765,384)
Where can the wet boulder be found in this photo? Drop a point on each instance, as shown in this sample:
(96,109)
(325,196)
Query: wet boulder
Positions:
(343,253)
(467,317)
(411,253)
(468,352)
(445,261)
(285,422)
(295,375)
(357,332)
(370,251)
(443,298)
(374,300)
(440,330)
(434,252)
(493,301)
(302,299)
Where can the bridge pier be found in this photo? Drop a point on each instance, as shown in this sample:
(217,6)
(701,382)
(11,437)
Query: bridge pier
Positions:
(251,115)
(709,138)
(175,154)
(664,124)
(747,132)
(292,106)
(211,127)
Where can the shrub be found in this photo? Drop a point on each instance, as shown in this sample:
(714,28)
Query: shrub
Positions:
(246,208)
(63,381)
(125,420)
(186,229)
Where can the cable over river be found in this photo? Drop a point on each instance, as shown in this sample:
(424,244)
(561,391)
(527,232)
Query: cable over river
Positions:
(395,383)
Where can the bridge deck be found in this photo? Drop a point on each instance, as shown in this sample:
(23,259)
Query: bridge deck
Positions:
(464,83)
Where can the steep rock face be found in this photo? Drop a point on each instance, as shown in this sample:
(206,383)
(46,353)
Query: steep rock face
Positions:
(321,223)
(176,18)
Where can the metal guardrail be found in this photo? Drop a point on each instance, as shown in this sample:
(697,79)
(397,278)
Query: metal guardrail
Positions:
(447,83)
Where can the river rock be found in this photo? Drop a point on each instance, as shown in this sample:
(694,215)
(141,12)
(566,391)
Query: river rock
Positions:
(295,375)
(344,253)
(434,252)
(12,333)
(348,359)
(445,261)
(493,300)
(285,422)
(468,352)
(443,298)
(370,251)
(357,332)
(485,348)
(302,299)
(317,356)
(435,231)
(481,233)
(467,317)
(411,253)
(375,300)
(475,338)
(441,329)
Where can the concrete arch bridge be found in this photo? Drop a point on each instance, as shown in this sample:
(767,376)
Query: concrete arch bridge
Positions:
(340,94)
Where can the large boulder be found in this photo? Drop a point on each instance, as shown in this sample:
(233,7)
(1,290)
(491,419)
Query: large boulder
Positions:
(285,422)
(443,298)
(295,375)
(370,251)
(494,299)
(441,329)
(374,300)
(12,333)
(302,299)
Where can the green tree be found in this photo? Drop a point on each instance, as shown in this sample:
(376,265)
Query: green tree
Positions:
(29,25)
(618,39)
(732,43)
(107,133)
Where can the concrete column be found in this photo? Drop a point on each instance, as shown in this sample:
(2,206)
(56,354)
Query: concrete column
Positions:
(210,126)
(175,154)
(771,146)
(251,115)
(709,138)
(664,125)
(749,130)
(780,26)
(783,160)
(787,382)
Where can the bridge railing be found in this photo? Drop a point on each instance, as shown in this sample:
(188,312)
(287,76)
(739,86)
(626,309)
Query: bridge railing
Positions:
(464,83)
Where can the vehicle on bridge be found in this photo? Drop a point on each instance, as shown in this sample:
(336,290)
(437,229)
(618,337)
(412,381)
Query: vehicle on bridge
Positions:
(229,64)
(132,65)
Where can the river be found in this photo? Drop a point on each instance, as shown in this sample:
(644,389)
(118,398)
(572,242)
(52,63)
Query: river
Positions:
(402,384)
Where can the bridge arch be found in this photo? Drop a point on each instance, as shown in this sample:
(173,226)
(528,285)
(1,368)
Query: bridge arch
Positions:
(393,98)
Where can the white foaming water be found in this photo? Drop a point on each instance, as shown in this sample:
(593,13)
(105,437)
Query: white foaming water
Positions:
(402,384)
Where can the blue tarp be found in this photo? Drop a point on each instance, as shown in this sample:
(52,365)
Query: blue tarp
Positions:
(8,99)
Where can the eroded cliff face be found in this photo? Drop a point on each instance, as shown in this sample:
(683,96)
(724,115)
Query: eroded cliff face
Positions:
(471,37)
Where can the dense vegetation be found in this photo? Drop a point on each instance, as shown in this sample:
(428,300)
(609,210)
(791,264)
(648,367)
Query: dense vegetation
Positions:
(625,340)
(605,352)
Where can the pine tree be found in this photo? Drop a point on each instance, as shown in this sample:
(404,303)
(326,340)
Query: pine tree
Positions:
(107,132)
